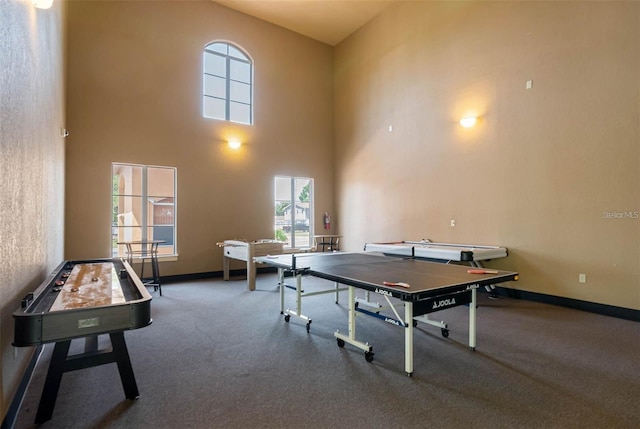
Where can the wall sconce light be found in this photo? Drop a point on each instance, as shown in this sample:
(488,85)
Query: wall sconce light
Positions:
(42,4)
(234,144)
(468,122)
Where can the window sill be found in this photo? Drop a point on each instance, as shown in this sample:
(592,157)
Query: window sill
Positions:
(161,258)
(297,249)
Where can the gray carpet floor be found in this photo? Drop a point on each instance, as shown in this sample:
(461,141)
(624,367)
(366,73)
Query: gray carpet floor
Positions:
(219,356)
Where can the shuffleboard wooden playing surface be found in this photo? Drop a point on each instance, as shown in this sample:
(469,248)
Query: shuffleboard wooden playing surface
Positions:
(90,285)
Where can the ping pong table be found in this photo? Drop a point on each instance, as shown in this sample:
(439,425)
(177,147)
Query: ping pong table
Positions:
(422,287)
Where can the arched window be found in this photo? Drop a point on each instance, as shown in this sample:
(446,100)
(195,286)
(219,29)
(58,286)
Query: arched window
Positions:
(227,83)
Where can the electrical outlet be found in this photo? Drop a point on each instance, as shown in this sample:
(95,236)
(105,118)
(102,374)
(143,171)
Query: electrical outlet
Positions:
(582,278)
(453,222)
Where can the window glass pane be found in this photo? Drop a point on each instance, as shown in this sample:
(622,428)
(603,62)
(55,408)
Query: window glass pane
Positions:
(302,189)
(240,71)
(293,211)
(127,179)
(283,188)
(145,216)
(122,234)
(117,250)
(215,64)
(218,47)
(240,113)
(302,198)
(228,75)
(240,92)
(214,108)
(128,211)
(129,234)
(233,52)
(160,181)
(163,233)
(215,86)
(282,193)
(161,211)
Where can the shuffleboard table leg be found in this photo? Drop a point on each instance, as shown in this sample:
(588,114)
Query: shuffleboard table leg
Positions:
(52,382)
(121,355)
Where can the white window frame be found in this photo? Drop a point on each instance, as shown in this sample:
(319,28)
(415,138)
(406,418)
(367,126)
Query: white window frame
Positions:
(227,83)
(287,225)
(168,249)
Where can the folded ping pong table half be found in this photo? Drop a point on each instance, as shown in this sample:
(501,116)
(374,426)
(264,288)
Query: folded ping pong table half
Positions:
(428,287)
(472,254)
(446,252)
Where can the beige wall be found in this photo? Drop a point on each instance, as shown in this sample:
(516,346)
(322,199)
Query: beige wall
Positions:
(542,165)
(134,96)
(32,172)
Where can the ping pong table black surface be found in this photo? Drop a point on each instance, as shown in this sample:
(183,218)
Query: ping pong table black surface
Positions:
(426,287)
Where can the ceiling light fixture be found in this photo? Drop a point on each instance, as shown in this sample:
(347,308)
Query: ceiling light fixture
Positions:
(42,4)
(468,122)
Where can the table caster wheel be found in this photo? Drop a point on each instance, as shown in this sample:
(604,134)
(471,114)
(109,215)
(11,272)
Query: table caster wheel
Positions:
(340,342)
(415,323)
(308,325)
(445,332)
(287,317)
(368,356)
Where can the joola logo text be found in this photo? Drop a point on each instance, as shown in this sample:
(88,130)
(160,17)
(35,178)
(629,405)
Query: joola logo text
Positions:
(383,292)
(444,303)
(392,321)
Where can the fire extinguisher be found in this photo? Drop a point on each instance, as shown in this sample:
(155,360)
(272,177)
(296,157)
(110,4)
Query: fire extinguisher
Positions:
(326,220)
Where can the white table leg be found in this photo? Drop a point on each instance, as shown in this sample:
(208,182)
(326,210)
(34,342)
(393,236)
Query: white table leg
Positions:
(472,320)
(225,268)
(408,338)
(351,338)
(251,268)
(282,286)
(299,294)
(352,313)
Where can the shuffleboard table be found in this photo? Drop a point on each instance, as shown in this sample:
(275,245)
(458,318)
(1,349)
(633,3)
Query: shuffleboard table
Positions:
(83,299)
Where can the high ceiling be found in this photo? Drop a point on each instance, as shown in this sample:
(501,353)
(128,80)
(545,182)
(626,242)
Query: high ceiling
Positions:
(329,21)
